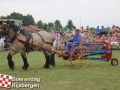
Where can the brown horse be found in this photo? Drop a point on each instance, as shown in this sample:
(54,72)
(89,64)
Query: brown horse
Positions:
(40,38)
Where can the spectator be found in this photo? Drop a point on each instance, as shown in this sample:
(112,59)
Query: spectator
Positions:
(118,39)
(94,38)
(90,39)
(68,29)
(2,43)
(114,41)
(73,31)
(68,35)
(63,41)
(97,31)
(114,30)
(57,42)
(103,31)
(84,38)
(97,39)
(53,31)
(82,30)
(103,37)
(87,30)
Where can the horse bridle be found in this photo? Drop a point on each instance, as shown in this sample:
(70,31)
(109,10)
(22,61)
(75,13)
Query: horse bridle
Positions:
(8,30)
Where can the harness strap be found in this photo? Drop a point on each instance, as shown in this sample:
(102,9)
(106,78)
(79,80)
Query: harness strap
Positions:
(44,40)
(14,37)
(28,37)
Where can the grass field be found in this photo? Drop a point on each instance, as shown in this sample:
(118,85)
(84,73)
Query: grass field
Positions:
(98,75)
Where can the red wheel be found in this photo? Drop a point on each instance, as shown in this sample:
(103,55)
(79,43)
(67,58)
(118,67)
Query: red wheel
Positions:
(77,57)
(74,58)
(75,54)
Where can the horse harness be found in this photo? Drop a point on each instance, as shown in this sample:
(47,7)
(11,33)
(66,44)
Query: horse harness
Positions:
(28,37)
(44,40)
(27,34)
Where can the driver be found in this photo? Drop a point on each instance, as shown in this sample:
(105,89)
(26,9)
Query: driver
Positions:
(74,41)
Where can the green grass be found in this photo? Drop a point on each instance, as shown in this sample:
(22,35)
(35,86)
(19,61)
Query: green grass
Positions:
(98,75)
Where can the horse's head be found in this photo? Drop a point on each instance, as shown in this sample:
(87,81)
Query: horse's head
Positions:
(5,28)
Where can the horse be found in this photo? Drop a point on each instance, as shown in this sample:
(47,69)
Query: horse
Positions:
(40,38)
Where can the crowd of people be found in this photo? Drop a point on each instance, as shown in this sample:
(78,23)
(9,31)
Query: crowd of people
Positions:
(63,38)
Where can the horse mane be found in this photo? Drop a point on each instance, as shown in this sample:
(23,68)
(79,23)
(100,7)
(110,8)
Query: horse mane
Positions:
(16,28)
(13,26)
(29,28)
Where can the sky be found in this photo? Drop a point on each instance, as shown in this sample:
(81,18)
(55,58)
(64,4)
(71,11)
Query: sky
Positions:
(84,13)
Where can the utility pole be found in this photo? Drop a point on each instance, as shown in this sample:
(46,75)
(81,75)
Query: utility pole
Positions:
(80,22)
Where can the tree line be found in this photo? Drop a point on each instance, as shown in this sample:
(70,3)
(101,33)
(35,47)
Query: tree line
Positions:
(29,20)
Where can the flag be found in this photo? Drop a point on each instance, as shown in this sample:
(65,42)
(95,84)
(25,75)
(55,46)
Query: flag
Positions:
(5,81)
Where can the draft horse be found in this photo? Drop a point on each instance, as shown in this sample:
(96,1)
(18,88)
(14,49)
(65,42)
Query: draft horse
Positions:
(41,38)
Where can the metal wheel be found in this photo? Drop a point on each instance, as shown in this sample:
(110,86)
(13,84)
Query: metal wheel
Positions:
(114,62)
(77,57)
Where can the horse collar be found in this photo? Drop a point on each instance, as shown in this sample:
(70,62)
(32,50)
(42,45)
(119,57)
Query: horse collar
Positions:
(14,37)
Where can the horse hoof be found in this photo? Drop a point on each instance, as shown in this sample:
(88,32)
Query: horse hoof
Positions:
(45,67)
(23,68)
(13,68)
(53,65)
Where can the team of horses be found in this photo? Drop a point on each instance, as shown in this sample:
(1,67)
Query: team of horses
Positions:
(39,38)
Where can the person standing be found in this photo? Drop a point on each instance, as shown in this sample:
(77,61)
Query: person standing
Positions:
(2,43)
(67,29)
(103,31)
(73,31)
(53,31)
(97,31)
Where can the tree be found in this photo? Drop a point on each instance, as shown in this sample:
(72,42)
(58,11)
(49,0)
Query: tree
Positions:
(49,26)
(2,17)
(57,24)
(108,29)
(92,30)
(45,26)
(27,20)
(70,24)
(15,15)
(40,24)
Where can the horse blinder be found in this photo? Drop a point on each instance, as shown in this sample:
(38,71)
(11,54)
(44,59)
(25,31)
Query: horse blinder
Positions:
(6,29)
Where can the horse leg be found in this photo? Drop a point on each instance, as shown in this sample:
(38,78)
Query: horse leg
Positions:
(52,59)
(26,65)
(10,62)
(47,56)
